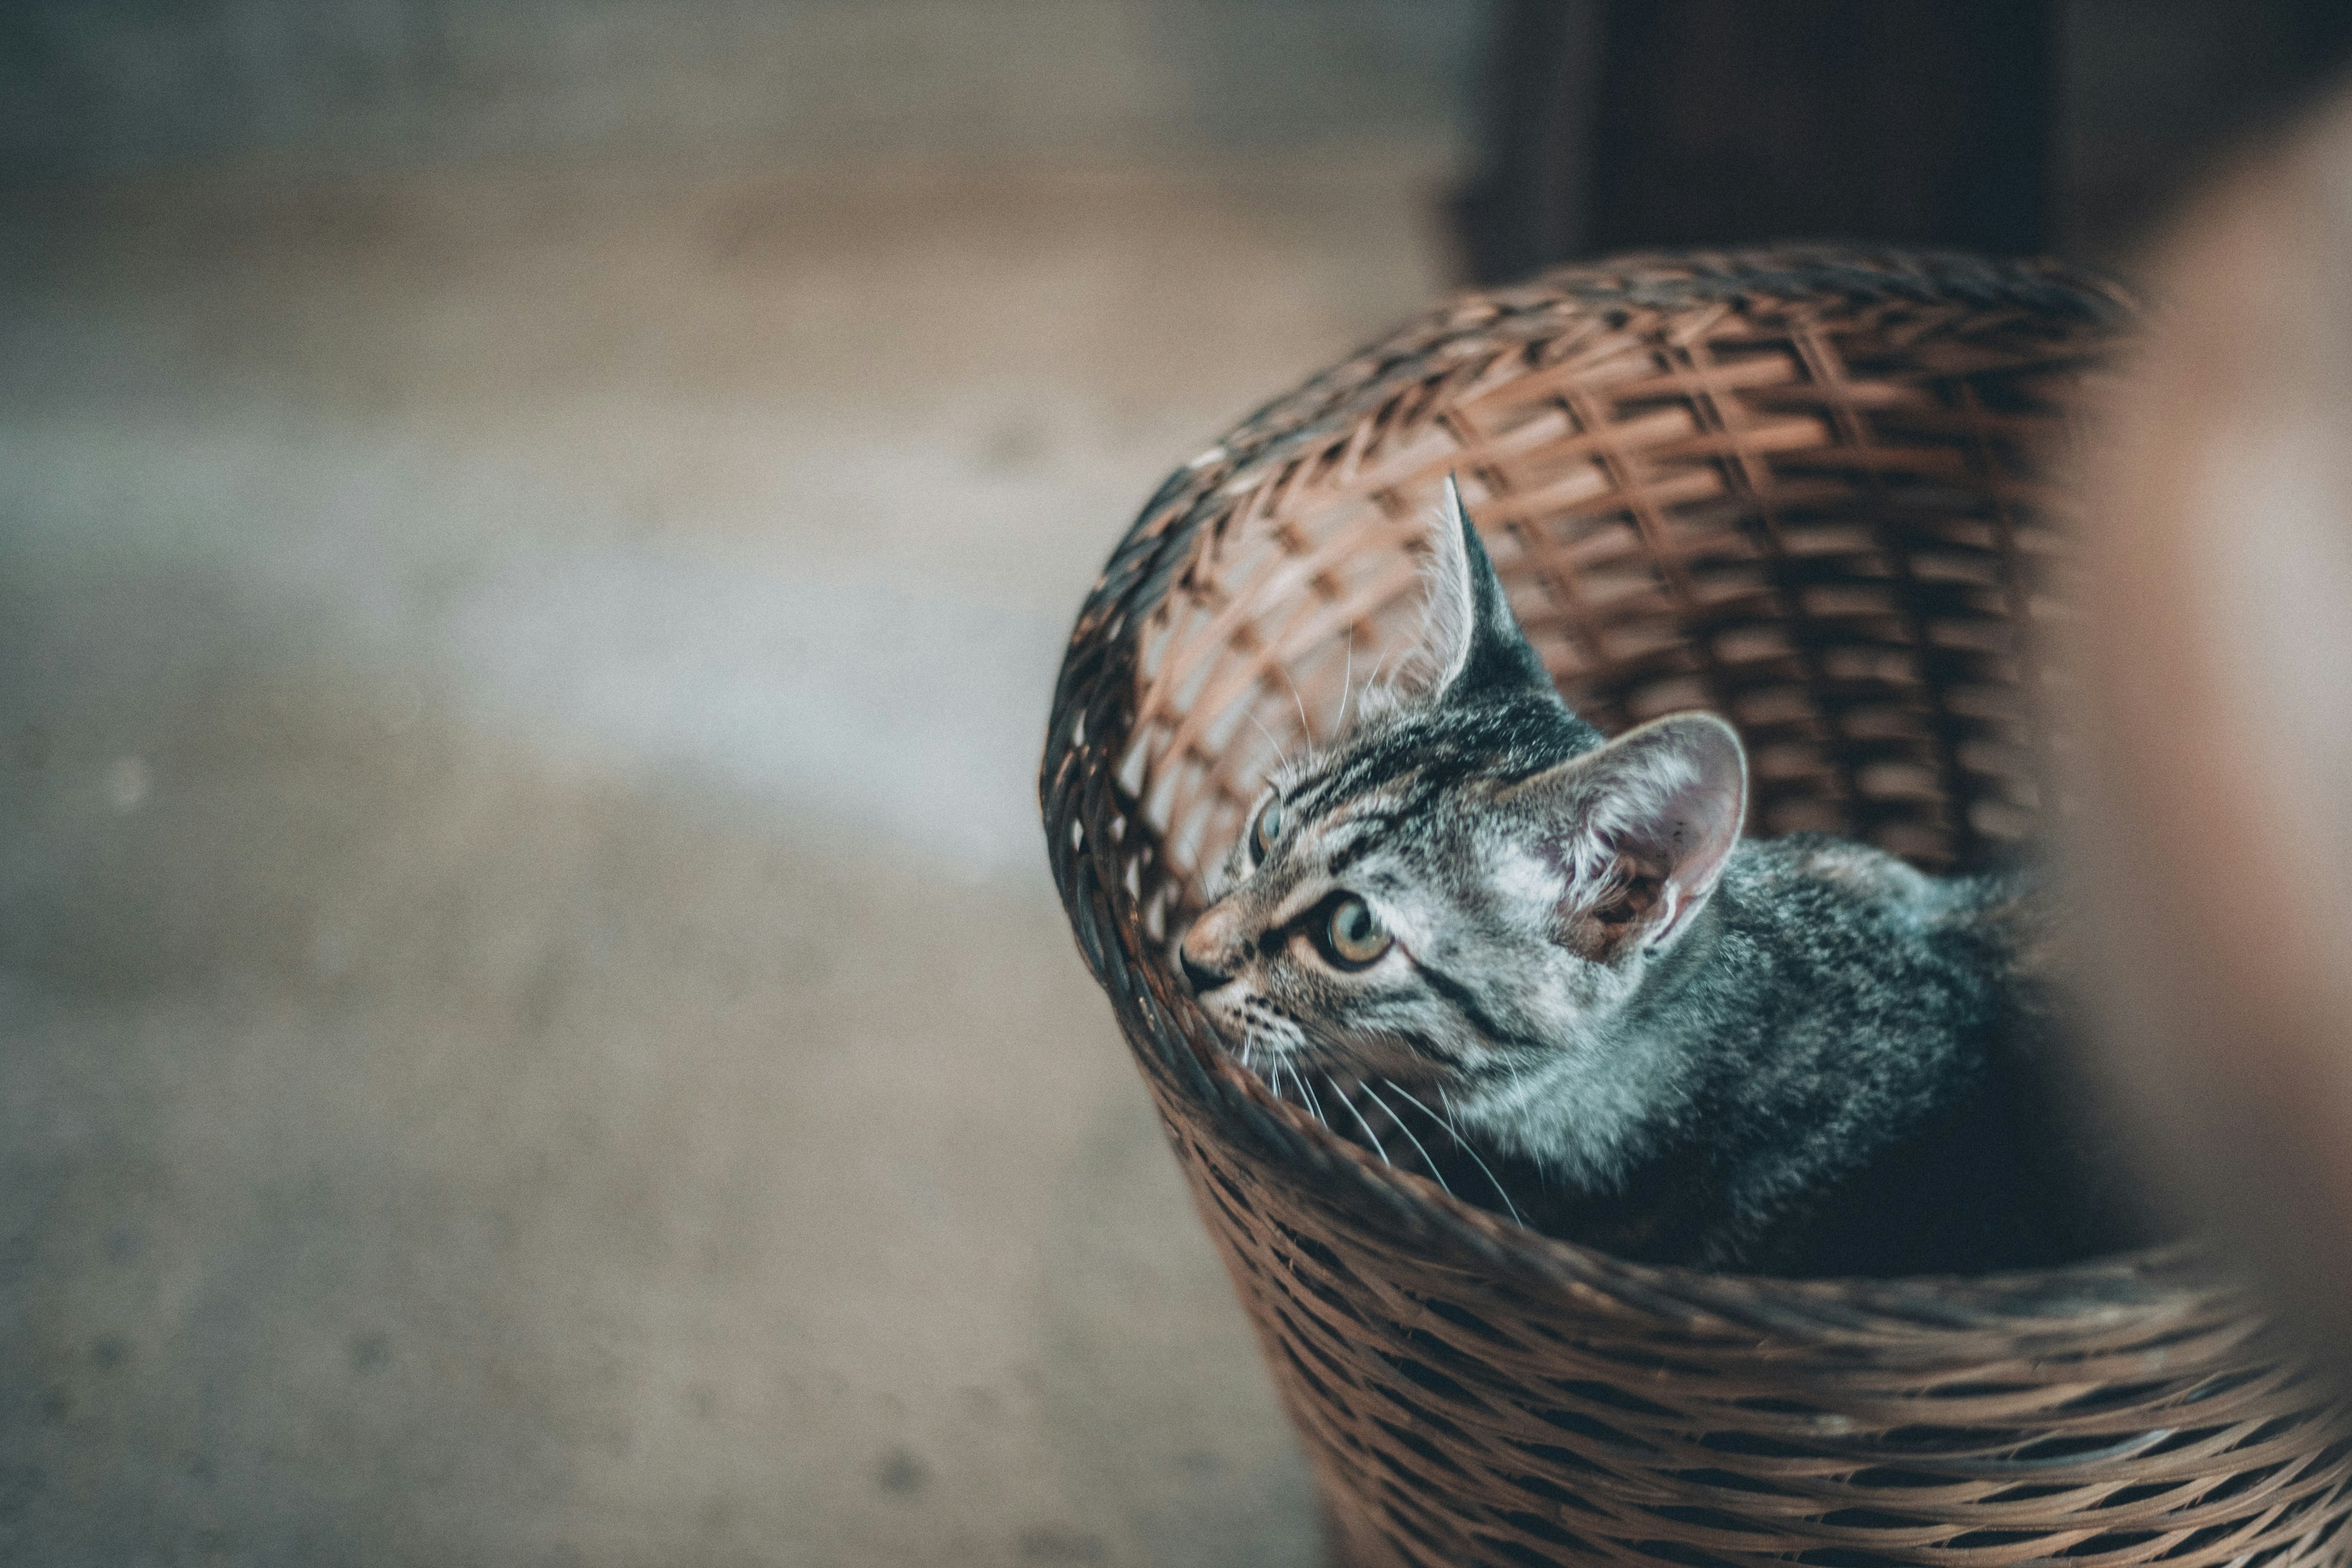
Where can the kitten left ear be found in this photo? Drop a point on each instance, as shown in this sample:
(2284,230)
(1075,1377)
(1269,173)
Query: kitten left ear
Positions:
(1476,645)
(1643,828)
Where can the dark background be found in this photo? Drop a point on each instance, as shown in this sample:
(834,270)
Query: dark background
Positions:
(2011,126)
(534,537)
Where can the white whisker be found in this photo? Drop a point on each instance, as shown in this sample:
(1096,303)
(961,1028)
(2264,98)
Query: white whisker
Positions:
(1454,1133)
(1347,683)
(1312,1104)
(1358,1115)
(1306,1099)
(1280,749)
(1435,1173)
(1305,730)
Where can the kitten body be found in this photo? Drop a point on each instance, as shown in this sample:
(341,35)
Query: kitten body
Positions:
(1552,965)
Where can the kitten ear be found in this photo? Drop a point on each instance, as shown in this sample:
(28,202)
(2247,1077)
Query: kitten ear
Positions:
(1643,828)
(1474,645)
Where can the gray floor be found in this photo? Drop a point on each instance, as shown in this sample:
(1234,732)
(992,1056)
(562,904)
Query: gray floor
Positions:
(533,1028)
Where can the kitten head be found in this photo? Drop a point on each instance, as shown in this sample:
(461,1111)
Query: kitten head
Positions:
(1465,889)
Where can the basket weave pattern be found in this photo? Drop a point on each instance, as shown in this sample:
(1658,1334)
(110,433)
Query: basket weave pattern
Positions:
(1797,488)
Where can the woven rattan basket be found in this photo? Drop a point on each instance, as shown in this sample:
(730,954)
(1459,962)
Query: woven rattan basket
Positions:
(1797,488)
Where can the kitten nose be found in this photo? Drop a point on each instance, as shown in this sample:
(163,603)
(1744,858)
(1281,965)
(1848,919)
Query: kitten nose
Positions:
(1200,977)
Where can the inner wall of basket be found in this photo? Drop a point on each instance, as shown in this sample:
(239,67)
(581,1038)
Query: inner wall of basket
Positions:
(1864,637)
(1285,621)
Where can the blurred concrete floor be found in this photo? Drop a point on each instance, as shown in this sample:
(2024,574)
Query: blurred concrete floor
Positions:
(534,1027)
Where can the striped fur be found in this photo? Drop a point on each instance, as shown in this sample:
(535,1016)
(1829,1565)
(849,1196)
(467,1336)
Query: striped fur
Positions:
(1601,1009)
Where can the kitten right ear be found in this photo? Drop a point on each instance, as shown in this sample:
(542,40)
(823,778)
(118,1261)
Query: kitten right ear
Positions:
(1474,645)
(1644,828)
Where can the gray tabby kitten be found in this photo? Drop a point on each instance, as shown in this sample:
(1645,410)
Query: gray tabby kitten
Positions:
(1549,966)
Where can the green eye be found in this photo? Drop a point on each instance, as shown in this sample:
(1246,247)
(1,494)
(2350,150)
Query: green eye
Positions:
(1268,828)
(1357,938)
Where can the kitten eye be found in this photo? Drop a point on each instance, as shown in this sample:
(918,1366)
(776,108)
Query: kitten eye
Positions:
(1357,939)
(1268,828)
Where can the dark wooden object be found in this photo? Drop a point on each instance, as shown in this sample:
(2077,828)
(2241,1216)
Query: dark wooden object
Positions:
(1627,123)
(2004,126)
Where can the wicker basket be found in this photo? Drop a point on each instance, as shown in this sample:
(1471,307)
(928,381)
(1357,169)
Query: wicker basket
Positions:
(1794,487)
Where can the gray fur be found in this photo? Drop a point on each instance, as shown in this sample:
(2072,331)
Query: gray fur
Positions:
(1798,1054)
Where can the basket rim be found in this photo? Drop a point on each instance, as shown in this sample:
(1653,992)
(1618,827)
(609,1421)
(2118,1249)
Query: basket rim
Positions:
(1090,721)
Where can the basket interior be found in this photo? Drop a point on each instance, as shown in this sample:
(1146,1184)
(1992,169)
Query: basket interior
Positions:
(1820,525)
